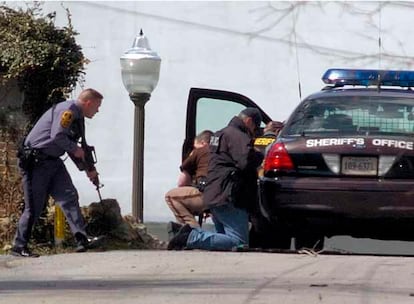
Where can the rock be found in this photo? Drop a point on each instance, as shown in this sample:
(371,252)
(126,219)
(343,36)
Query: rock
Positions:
(105,219)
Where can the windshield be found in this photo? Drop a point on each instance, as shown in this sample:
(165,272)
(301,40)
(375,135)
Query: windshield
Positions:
(350,115)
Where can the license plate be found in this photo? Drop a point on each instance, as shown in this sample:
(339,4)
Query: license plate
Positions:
(359,165)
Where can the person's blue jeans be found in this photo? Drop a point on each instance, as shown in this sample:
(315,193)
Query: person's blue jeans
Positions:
(232,229)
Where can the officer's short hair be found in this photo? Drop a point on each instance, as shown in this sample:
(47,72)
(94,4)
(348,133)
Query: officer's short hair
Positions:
(90,94)
(204,136)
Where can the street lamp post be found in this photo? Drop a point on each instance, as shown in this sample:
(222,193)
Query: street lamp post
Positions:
(140,68)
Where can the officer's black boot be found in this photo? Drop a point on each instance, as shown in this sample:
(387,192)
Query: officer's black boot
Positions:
(23,252)
(179,242)
(173,229)
(83,242)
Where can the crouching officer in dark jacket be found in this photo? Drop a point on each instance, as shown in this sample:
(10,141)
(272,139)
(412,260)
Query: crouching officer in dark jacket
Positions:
(231,187)
(57,131)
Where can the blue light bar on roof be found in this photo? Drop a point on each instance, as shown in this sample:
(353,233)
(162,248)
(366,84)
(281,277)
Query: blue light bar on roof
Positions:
(342,77)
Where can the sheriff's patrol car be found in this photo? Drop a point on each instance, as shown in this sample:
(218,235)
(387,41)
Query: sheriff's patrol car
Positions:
(342,165)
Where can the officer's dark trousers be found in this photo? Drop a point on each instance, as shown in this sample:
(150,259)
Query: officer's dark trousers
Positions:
(48,177)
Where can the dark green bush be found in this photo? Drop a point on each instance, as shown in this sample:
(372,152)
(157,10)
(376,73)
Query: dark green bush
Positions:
(45,60)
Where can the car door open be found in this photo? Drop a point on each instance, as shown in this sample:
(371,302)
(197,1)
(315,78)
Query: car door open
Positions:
(212,110)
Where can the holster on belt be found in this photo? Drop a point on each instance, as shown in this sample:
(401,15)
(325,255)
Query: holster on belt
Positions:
(29,156)
(201,183)
(26,157)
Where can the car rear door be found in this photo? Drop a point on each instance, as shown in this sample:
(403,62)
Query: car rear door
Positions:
(212,110)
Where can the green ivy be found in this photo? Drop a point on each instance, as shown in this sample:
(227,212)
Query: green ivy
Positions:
(45,60)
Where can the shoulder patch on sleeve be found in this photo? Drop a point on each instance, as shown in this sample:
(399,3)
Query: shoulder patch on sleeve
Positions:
(66,118)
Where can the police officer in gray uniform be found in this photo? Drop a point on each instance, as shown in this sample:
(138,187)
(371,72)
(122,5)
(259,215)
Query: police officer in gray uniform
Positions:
(56,132)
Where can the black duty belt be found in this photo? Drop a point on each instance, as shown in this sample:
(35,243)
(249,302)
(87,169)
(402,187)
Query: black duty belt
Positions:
(39,155)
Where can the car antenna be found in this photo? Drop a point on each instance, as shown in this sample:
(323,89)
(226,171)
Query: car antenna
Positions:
(296,51)
(379,36)
(379,82)
(379,47)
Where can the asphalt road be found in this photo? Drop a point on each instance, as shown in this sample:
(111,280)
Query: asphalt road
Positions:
(205,277)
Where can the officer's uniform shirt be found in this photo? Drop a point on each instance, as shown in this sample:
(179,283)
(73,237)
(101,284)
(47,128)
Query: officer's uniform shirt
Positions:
(58,129)
(196,164)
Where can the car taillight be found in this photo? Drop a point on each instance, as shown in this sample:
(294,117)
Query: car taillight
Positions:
(278,159)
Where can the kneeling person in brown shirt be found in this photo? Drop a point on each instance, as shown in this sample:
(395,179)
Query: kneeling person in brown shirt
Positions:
(186,200)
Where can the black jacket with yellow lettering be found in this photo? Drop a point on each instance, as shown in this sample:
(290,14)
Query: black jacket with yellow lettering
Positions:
(232,172)
(262,142)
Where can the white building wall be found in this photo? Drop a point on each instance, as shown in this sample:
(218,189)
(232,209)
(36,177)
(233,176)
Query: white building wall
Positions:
(242,46)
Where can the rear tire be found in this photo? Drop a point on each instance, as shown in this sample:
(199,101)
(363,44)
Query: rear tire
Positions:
(266,235)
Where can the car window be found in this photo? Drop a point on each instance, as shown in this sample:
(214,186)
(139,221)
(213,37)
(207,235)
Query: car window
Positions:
(215,115)
(209,109)
(353,115)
